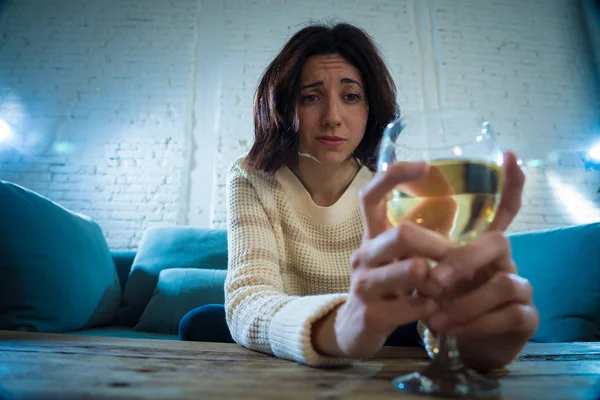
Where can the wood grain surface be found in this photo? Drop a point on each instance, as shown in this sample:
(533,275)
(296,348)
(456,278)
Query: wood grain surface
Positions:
(53,366)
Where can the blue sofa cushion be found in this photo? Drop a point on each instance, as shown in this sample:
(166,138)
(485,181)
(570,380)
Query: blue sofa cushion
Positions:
(56,271)
(563,266)
(179,291)
(164,248)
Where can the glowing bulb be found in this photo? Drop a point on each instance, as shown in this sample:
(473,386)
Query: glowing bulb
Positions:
(594,153)
(63,147)
(5,131)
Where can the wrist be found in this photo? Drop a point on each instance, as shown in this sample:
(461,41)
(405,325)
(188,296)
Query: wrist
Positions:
(354,337)
(324,337)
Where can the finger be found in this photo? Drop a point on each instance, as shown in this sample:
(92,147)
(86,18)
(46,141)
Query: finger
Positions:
(510,319)
(402,241)
(373,195)
(500,290)
(405,310)
(490,250)
(512,192)
(400,276)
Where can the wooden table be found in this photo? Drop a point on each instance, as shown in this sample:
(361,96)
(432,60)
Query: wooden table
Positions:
(50,366)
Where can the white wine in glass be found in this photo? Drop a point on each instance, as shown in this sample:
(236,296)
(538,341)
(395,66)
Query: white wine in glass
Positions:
(458,198)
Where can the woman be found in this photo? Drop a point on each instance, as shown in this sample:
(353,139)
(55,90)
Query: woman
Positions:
(316,274)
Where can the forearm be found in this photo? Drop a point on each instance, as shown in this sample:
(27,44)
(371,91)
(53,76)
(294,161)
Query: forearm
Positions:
(249,321)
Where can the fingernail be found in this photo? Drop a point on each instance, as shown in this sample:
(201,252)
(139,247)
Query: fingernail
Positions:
(442,272)
(438,321)
(415,168)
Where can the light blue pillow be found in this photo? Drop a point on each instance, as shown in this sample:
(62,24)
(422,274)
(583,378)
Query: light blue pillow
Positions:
(563,266)
(56,271)
(179,291)
(165,248)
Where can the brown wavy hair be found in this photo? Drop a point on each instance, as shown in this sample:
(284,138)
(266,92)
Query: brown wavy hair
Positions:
(277,96)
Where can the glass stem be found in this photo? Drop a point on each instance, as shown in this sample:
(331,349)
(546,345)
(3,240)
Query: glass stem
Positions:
(447,355)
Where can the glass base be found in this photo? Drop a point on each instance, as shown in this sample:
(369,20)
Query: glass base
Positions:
(461,382)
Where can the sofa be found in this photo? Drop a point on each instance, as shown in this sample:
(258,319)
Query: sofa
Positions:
(57,274)
(123,261)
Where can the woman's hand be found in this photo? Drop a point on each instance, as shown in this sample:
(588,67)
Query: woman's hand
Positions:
(383,284)
(387,270)
(488,306)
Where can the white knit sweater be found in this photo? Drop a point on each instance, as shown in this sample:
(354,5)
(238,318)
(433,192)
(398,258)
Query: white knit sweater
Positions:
(288,260)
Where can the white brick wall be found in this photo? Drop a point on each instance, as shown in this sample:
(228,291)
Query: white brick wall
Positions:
(155,96)
(114,79)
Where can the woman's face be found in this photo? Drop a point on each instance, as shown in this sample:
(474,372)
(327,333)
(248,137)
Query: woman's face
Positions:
(332,109)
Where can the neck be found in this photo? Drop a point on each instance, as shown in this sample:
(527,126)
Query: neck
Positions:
(325,183)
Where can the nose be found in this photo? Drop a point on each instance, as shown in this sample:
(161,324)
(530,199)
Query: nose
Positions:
(332,117)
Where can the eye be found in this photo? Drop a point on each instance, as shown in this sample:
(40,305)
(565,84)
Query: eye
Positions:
(352,97)
(308,98)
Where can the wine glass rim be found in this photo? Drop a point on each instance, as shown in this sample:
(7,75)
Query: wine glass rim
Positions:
(440,111)
(485,125)
(436,148)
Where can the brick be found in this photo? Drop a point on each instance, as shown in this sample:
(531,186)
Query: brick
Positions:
(154,217)
(90,197)
(115,226)
(60,178)
(10,176)
(123,216)
(114,205)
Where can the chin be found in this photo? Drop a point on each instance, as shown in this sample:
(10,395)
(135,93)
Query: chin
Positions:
(332,158)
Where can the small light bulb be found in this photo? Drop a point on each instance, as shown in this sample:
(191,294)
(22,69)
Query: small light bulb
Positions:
(594,153)
(5,131)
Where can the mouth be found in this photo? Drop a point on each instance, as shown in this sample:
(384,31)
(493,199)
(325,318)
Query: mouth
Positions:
(331,141)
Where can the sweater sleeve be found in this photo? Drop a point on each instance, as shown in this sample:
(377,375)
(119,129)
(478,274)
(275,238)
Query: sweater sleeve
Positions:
(260,315)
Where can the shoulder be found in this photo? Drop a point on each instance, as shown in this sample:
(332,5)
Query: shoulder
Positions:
(240,173)
(237,166)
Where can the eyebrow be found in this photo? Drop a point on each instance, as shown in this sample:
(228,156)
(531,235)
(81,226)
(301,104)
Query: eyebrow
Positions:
(319,83)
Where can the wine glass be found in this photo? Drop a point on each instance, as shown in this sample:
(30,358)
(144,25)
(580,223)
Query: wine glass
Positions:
(458,198)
